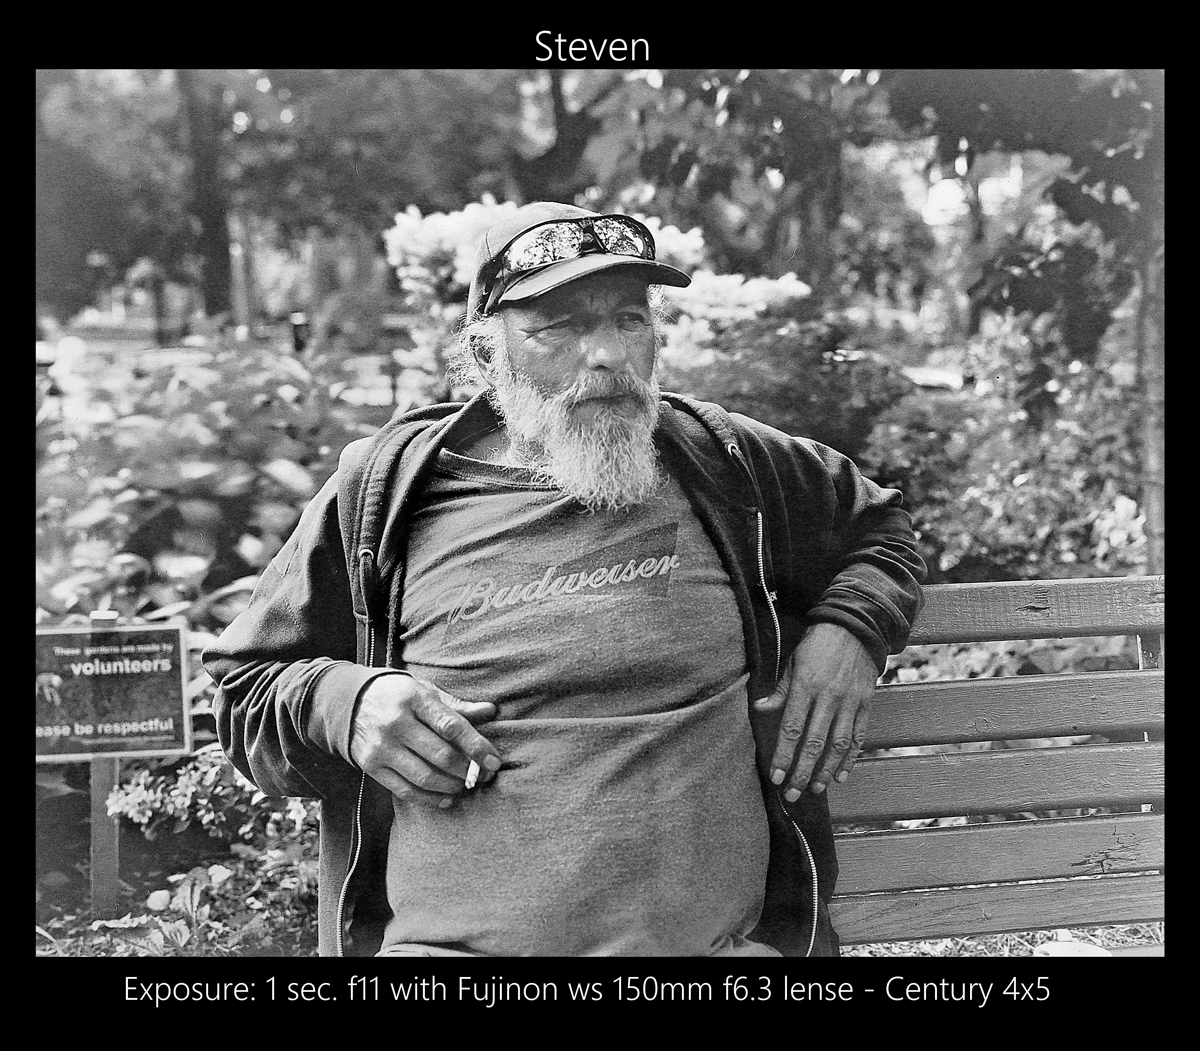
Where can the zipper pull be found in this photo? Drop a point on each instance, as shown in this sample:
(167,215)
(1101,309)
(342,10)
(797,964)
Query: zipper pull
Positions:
(366,578)
(367,588)
(735,452)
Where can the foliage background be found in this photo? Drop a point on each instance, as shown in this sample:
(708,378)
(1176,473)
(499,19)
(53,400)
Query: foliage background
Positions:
(952,276)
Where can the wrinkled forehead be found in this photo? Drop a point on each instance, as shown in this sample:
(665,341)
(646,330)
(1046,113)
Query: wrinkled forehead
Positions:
(586,296)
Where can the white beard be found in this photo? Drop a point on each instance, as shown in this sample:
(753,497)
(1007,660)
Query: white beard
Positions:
(606,463)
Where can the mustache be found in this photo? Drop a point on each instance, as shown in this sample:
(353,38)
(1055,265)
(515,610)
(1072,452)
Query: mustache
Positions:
(618,384)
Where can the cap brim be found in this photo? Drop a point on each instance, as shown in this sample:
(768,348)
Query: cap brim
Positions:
(557,274)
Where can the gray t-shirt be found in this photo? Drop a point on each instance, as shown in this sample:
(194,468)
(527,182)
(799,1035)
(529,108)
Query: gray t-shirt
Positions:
(628,817)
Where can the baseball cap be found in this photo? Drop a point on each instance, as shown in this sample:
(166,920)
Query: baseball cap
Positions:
(544,245)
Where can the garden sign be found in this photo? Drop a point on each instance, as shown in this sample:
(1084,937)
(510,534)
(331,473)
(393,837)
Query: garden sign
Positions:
(106,692)
(111,691)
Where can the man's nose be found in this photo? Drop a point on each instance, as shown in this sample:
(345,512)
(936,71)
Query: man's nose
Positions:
(603,348)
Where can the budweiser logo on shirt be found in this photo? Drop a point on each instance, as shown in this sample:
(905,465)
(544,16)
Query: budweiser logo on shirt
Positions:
(644,561)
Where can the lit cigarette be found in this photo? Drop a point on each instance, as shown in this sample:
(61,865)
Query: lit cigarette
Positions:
(472,774)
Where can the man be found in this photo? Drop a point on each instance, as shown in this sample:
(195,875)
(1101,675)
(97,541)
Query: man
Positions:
(625,642)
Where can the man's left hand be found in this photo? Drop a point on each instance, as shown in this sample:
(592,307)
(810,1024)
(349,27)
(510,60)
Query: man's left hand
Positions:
(825,693)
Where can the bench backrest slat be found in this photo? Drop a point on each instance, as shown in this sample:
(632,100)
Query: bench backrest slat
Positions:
(1007,781)
(1001,850)
(1016,708)
(999,907)
(1040,609)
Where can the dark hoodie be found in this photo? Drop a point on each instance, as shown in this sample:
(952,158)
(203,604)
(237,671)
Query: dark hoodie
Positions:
(804,537)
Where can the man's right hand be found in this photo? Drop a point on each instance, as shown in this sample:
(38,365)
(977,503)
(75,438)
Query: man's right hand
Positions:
(418,741)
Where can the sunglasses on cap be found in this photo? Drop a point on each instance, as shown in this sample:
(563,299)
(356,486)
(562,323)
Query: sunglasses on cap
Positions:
(562,239)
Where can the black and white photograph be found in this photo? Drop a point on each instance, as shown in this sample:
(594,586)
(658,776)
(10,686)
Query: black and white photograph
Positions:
(599,511)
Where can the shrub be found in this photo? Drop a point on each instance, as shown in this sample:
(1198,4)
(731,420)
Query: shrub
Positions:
(207,790)
(1000,492)
(165,475)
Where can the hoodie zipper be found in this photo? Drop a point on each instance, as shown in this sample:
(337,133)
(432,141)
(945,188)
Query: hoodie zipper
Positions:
(366,584)
(366,562)
(341,905)
(772,597)
(812,867)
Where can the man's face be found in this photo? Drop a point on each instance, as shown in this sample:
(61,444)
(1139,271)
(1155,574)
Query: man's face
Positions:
(575,383)
(594,333)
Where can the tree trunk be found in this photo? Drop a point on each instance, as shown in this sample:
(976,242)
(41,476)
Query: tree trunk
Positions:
(204,125)
(809,246)
(822,208)
(1151,363)
(1151,354)
(158,295)
(558,174)
(240,280)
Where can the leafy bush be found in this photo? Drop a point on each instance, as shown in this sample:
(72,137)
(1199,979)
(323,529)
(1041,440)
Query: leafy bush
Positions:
(258,904)
(164,476)
(207,790)
(788,369)
(999,494)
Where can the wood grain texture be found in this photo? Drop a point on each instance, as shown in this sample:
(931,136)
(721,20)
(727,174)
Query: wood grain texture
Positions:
(1040,609)
(992,909)
(1139,950)
(1008,709)
(1052,848)
(1012,875)
(1008,781)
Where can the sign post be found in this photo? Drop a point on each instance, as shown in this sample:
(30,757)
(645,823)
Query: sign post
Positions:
(106,840)
(105,692)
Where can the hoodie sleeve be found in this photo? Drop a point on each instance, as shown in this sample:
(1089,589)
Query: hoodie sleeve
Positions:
(842,548)
(287,681)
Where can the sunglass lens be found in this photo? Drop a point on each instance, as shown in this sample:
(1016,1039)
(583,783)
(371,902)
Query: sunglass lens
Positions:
(621,238)
(546,244)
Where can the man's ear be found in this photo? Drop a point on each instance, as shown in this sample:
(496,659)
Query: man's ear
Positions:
(483,359)
(484,352)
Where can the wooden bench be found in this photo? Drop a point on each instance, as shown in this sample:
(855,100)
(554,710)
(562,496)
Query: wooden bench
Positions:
(1024,873)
